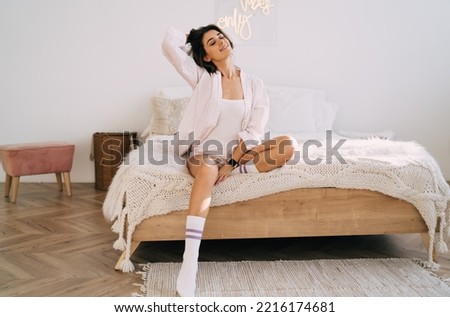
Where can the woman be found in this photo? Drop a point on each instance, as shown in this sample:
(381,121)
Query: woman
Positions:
(226,115)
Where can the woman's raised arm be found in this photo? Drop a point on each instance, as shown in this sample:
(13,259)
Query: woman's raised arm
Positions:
(176,50)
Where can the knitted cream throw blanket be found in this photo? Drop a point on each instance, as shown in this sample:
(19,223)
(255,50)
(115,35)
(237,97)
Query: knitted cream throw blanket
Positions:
(404,170)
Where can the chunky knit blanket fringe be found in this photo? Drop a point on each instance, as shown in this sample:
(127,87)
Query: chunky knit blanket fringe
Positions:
(403,170)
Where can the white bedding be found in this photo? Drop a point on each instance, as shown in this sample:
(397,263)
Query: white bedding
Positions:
(404,170)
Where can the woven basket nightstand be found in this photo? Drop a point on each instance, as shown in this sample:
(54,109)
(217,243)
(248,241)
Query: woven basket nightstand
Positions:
(109,151)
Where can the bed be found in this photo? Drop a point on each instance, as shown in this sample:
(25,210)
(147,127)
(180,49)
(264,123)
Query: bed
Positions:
(365,186)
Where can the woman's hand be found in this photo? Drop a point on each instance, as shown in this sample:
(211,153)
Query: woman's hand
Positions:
(224,173)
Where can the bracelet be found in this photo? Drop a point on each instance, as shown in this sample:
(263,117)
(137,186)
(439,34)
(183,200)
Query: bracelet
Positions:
(233,163)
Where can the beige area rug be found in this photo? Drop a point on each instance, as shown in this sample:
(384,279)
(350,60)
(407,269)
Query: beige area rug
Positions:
(312,278)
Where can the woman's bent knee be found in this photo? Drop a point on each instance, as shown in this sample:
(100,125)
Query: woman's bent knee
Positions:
(287,146)
(202,167)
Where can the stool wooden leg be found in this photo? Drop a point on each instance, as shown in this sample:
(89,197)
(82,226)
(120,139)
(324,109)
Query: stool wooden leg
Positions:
(59,181)
(8,185)
(67,183)
(15,188)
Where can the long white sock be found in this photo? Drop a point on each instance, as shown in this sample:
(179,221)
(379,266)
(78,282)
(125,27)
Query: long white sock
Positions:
(250,167)
(188,272)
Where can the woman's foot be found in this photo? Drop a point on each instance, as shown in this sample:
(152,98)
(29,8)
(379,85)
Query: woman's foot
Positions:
(186,280)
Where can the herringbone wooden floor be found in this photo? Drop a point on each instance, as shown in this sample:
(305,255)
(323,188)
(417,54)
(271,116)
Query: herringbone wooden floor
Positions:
(54,245)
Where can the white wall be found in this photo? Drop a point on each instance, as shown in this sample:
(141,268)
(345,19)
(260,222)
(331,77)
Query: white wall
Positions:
(71,68)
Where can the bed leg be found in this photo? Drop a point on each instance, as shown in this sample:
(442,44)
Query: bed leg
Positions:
(426,243)
(134,245)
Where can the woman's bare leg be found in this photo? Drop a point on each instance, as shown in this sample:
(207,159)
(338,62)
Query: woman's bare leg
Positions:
(205,175)
(271,154)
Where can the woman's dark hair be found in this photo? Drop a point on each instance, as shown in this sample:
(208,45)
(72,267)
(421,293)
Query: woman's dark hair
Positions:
(195,38)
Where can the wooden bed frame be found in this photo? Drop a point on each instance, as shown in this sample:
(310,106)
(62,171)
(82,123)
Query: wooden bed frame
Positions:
(311,212)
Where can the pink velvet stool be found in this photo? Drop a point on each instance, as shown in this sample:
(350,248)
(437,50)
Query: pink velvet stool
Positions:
(36,158)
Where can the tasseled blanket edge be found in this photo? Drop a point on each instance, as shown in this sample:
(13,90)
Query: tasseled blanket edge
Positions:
(441,245)
(121,244)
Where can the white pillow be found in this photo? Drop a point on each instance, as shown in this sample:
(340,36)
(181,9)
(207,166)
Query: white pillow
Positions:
(324,116)
(291,111)
(294,109)
(167,106)
(166,115)
(297,110)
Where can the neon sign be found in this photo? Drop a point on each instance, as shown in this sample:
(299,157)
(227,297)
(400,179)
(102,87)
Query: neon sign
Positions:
(245,17)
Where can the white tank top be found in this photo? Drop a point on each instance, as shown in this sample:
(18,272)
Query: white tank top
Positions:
(224,136)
